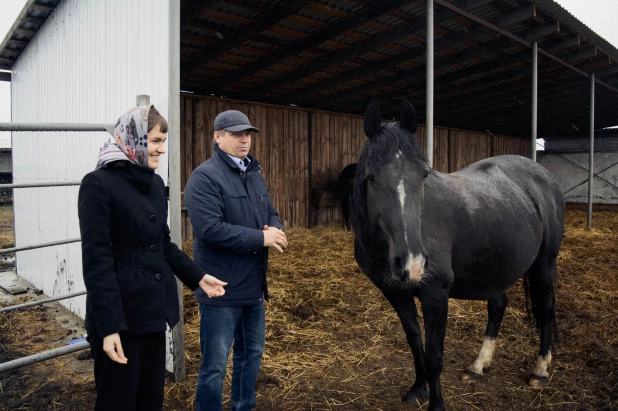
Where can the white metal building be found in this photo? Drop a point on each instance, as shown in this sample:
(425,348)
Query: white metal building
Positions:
(87,63)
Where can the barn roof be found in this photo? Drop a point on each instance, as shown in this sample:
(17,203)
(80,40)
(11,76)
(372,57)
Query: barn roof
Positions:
(338,55)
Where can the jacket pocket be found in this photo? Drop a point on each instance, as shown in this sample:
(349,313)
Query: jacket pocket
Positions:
(235,211)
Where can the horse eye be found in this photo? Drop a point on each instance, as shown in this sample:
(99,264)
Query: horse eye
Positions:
(425,175)
(371,178)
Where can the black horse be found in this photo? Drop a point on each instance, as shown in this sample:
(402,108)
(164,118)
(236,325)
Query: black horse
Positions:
(468,235)
(346,187)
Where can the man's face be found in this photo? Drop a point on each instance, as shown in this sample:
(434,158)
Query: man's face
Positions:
(236,144)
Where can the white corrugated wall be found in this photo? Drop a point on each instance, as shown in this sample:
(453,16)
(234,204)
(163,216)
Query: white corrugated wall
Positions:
(87,64)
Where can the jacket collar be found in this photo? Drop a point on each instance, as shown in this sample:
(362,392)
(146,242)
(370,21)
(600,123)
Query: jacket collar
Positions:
(227,160)
(139,176)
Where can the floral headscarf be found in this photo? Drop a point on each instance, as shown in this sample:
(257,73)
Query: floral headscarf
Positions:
(131,137)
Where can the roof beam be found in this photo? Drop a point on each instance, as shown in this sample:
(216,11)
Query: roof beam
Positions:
(312,41)
(542,31)
(516,16)
(576,104)
(25,32)
(581,55)
(33,20)
(245,33)
(519,96)
(550,71)
(564,44)
(43,7)
(450,41)
(561,94)
(193,9)
(19,43)
(442,81)
(359,48)
(498,30)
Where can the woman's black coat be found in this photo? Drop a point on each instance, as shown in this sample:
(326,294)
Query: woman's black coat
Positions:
(128,259)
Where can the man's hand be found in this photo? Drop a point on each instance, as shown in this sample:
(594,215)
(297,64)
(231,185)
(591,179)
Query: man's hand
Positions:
(113,348)
(274,237)
(212,286)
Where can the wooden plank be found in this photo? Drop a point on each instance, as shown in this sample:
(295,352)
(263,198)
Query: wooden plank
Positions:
(304,169)
(189,120)
(198,135)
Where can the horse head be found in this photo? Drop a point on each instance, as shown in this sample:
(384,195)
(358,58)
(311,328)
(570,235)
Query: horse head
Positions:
(388,195)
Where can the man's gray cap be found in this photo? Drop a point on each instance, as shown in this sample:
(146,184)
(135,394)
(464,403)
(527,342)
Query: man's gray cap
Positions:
(234,121)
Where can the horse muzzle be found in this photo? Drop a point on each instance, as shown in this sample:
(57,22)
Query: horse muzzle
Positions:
(413,270)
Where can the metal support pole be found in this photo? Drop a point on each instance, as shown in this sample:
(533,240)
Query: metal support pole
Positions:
(39,302)
(535,74)
(174,174)
(591,152)
(142,100)
(33,359)
(56,127)
(429,97)
(35,246)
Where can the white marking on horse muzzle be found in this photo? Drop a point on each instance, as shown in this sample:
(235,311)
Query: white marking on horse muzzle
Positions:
(415,267)
(485,357)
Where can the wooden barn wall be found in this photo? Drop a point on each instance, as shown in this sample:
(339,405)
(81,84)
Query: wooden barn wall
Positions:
(300,149)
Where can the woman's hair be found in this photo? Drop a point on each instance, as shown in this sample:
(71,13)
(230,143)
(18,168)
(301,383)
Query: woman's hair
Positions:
(154,118)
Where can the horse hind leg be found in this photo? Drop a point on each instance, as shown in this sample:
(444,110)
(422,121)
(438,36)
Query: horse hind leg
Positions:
(495,312)
(539,284)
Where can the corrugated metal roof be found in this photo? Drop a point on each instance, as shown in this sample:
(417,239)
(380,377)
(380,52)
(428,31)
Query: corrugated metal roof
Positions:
(337,54)
(564,17)
(32,16)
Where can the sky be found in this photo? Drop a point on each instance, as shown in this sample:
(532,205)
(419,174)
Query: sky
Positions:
(599,15)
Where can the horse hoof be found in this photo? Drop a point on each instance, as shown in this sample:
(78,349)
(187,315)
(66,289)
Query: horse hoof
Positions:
(416,394)
(537,382)
(471,377)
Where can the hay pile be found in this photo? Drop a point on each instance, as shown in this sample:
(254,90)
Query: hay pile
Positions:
(6,227)
(334,342)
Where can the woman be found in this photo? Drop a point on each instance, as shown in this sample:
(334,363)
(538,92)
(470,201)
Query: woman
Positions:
(129,265)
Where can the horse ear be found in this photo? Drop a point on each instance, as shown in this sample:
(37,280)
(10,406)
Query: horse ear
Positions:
(373,119)
(408,118)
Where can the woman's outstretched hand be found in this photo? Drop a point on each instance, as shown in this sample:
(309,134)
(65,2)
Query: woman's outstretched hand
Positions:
(212,286)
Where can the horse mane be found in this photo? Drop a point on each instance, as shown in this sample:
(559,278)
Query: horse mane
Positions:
(379,150)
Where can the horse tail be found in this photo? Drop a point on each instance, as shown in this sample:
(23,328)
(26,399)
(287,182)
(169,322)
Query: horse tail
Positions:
(535,298)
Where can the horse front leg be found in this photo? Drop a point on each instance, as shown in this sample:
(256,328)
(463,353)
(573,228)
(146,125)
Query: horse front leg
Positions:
(405,307)
(435,312)
(495,313)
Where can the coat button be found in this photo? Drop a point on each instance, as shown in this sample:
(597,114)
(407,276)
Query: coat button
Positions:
(158,277)
(153,248)
(153,218)
(143,190)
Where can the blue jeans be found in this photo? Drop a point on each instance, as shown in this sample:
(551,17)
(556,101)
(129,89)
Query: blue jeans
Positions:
(245,326)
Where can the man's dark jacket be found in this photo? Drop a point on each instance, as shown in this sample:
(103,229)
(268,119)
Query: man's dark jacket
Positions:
(229,209)
(128,259)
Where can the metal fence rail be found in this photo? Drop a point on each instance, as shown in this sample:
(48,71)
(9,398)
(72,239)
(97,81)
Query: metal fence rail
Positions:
(40,302)
(46,355)
(42,245)
(36,185)
(56,127)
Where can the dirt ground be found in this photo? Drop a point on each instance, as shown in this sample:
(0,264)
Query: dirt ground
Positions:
(333,342)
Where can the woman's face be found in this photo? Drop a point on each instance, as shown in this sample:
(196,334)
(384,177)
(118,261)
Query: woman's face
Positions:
(156,146)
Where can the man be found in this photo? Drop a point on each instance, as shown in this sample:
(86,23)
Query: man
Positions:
(234,223)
